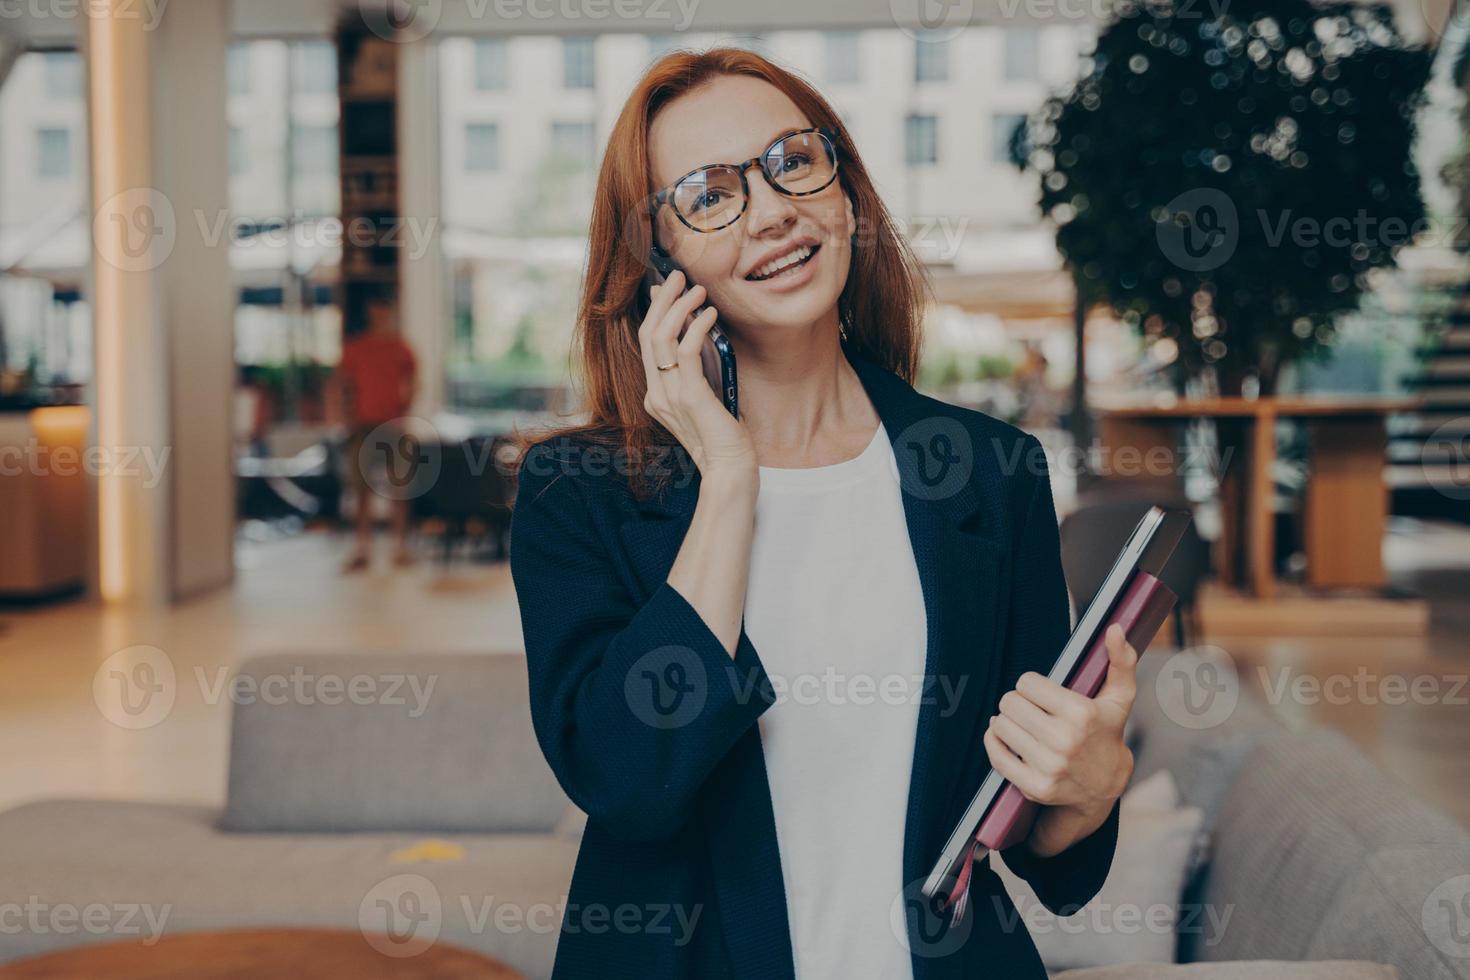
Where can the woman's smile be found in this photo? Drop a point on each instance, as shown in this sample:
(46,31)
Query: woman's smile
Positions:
(789,272)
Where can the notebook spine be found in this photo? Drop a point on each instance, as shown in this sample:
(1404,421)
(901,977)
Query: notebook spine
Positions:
(1141,611)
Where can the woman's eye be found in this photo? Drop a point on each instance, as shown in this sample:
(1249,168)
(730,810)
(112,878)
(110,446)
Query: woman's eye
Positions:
(796,161)
(708,199)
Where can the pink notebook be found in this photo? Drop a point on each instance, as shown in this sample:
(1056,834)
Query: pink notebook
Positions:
(1141,611)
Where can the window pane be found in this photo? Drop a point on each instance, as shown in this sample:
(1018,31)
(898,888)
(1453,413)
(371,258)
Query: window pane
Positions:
(843,66)
(1003,125)
(931,58)
(314,67)
(921,139)
(492,65)
(578,69)
(53,152)
(574,141)
(1023,54)
(314,150)
(63,75)
(239,152)
(482,146)
(237,69)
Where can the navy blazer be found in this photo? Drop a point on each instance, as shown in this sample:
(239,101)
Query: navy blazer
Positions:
(650,725)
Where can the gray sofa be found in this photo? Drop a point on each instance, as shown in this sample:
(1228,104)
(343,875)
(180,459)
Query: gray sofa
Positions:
(343,810)
(428,813)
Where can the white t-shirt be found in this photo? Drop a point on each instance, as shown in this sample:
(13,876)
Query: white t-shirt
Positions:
(835,611)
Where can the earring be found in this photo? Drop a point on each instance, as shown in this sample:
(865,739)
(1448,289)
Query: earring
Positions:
(841,331)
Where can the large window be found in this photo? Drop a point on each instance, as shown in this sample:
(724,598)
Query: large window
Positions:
(492,65)
(481,147)
(573,141)
(921,139)
(931,58)
(285,192)
(45,231)
(1022,54)
(578,69)
(1002,127)
(53,153)
(844,66)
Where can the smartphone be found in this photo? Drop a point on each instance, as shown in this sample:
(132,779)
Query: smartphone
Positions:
(718,356)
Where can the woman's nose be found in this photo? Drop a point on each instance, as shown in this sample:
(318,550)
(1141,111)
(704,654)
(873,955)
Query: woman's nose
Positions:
(768,210)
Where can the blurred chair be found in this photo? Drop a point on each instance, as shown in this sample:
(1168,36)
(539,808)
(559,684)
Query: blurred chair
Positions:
(471,496)
(1094,533)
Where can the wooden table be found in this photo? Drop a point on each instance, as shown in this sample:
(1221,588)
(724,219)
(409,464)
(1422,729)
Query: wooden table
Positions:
(1346,497)
(255,953)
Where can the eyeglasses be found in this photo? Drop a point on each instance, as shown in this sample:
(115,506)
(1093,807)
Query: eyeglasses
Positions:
(715,195)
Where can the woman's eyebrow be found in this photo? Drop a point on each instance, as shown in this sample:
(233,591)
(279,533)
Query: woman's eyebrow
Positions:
(783,134)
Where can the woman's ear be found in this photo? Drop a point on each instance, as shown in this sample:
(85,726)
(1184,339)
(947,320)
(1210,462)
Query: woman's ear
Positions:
(851,219)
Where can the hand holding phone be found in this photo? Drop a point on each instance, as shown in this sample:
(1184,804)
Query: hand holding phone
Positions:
(674,327)
(717,356)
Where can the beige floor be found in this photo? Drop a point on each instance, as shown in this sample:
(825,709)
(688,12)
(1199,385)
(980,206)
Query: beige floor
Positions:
(290,596)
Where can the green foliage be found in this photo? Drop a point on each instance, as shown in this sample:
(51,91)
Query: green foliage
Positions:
(1227,174)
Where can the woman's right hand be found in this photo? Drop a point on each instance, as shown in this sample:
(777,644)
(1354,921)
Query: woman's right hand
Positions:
(681,398)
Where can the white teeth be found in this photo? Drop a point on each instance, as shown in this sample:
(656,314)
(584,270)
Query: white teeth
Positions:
(776,265)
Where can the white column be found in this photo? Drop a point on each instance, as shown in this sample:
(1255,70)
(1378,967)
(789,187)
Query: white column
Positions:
(423,312)
(162,297)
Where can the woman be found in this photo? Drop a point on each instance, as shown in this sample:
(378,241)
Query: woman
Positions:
(767,656)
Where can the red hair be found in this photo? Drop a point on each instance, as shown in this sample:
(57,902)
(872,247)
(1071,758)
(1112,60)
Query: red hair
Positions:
(880,306)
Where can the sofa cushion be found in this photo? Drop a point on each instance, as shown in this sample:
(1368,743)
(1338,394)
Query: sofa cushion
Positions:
(1238,970)
(1318,853)
(363,742)
(1134,916)
(146,869)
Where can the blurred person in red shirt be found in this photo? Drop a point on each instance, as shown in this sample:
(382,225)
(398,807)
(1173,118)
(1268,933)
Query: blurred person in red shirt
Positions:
(377,380)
